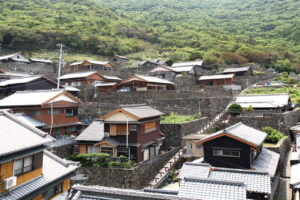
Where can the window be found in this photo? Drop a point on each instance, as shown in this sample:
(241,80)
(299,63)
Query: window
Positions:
(71,129)
(23,165)
(199,147)
(36,113)
(133,127)
(71,112)
(52,192)
(226,153)
(108,150)
(55,111)
(76,83)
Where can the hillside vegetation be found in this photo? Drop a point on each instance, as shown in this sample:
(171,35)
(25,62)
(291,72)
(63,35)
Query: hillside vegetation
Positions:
(219,31)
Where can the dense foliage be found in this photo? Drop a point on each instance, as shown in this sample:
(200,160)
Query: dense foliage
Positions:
(219,31)
(273,135)
(101,160)
(174,118)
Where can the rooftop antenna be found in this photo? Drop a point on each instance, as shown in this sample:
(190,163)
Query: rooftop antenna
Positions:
(59,65)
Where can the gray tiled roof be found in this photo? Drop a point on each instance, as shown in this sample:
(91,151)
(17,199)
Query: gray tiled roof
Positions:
(53,169)
(29,120)
(142,111)
(15,135)
(236,69)
(94,132)
(80,192)
(255,181)
(243,132)
(259,182)
(267,161)
(195,170)
(187,63)
(210,189)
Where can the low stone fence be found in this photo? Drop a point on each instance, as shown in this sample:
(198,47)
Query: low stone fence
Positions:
(134,178)
(63,151)
(175,132)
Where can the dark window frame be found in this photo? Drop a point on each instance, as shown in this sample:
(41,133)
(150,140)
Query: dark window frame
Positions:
(23,167)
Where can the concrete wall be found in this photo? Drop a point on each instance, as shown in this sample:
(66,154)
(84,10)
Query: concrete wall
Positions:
(175,132)
(135,178)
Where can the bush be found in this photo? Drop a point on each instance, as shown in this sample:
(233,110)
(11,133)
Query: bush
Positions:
(101,160)
(273,135)
(235,109)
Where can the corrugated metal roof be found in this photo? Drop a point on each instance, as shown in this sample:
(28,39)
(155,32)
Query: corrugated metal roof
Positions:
(53,169)
(267,161)
(94,132)
(142,111)
(15,57)
(15,135)
(182,69)
(263,100)
(29,120)
(237,69)
(104,84)
(77,75)
(18,80)
(153,79)
(243,132)
(210,189)
(188,63)
(212,77)
(33,98)
(72,89)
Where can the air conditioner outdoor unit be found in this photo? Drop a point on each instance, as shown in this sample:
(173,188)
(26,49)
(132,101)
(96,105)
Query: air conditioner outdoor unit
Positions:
(9,182)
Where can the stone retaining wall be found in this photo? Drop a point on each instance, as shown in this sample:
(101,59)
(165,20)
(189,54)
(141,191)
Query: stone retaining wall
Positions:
(63,151)
(175,132)
(135,178)
(36,68)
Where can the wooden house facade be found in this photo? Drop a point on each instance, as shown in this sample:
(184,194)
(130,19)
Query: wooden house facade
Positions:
(10,86)
(144,83)
(140,124)
(58,109)
(90,65)
(216,80)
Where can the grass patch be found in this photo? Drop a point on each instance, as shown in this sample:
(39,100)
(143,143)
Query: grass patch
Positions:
(174,118)
(293,91)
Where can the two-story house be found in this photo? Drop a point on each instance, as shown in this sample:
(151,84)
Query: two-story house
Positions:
(58,109)
(87,78)
(27,169)
(239,146)
(129,130)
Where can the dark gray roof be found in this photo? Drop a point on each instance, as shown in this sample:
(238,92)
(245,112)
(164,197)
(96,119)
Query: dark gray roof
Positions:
(94,132)
(54,168)
(210,189)
(243,132)
(80,192)
(195,170)
(267,161)
(142,111)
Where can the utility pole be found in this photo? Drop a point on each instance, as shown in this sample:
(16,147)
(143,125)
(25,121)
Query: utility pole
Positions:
(59,65)
(127,139)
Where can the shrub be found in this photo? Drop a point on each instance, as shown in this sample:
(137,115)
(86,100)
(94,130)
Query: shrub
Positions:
(235,109)
(273,135)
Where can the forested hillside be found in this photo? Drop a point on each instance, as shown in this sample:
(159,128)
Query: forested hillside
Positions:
(219,31)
